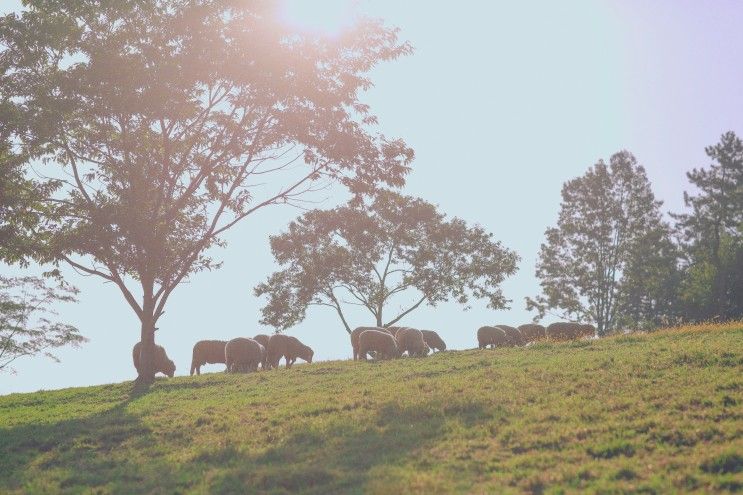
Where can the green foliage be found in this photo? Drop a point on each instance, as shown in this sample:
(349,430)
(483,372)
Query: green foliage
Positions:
(21,210)
(509,420)
(375,249)
(713,235)
(610,259)
(26,306)
(171,121)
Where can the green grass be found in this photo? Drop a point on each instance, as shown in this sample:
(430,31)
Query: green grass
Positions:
(651,413)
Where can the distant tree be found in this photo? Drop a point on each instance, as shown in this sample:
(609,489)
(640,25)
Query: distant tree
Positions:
(713,234)
(648,291)
(610,245)
(25,326)
(165,123)
(384,249)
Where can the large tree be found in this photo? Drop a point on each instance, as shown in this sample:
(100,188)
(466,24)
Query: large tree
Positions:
(164,123)
(713,234)
(609,237)
(384,249)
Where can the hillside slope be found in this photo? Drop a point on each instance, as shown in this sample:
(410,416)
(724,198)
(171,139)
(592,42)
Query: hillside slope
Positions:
(652,413)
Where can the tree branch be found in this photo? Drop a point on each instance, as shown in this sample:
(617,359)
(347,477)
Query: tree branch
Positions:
(406,312)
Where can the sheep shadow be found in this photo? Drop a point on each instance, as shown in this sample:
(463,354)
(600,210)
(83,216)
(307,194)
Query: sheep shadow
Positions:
(78,452)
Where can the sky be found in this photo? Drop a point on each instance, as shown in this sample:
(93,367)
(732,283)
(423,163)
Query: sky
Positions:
(503,102)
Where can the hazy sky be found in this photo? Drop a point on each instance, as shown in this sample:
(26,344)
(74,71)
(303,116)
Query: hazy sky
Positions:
(502,102)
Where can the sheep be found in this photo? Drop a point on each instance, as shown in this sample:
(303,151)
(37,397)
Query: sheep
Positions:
(411,340)
(289,347)
(359,330)
(569,331)
(492,336)
(207,352)
(163,364)
(561,331)
(532,332)
(433,340)
(513,335)
(378,341)
(393,330)
(243,355)
(587,331)
(263,339)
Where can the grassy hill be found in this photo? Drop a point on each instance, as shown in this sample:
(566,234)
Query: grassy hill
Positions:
(644,413)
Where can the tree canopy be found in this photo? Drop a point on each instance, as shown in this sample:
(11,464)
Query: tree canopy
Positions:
(161,124)
(383,248)
(609,249)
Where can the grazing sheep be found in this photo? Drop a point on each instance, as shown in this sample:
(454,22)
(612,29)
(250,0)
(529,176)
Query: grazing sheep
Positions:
(561,331)
(163,364)
(358,331)
(587,331)
(569,331)
(378,341)
(492,336)
(207,352)
(262,339)
(532,332)
(243,355)
(513,335)
(289,347)
(433,340)
(411,340)
(393,330)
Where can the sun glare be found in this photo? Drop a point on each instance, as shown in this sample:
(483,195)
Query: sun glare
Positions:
(328,17)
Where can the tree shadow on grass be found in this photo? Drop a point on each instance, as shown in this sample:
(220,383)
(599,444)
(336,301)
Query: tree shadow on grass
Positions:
(114,451)
(81,452)
(340,457)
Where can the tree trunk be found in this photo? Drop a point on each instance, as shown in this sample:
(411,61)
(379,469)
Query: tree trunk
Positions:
(147,369)
(147,353)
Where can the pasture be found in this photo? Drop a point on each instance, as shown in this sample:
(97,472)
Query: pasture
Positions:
(651,413)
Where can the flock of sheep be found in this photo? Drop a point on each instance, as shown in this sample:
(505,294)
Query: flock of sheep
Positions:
(245,355)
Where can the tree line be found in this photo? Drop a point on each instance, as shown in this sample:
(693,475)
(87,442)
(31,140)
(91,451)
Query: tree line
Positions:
(615,259)
(134,135)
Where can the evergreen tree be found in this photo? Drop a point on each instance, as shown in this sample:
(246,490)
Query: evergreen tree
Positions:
(712,234)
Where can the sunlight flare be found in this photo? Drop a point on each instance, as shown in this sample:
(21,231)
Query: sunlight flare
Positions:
(327,17)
